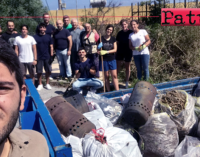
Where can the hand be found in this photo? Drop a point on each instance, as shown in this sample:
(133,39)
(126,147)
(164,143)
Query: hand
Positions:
(142,47)
(69,52)
(100,45)
(137,48)
(14,32)
(98,52)
(34,62)
(52,55)
(103,52)
(81,70)
(81,27)
(94,31)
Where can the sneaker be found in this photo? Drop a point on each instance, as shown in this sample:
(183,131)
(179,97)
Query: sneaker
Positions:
(48,87)
(93,90)
(50,78)
(40,87)
(126,85)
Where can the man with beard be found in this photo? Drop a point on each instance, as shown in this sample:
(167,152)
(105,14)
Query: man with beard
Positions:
(44,51)
(25,48)
(66,21)
(49,27)
(10,35)
(13,141)
(63,45)
(75,32)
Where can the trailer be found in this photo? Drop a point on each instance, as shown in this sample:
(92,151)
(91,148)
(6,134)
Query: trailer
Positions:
(36,116)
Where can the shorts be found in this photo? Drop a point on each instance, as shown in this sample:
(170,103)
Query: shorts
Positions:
(41,64)
(30,67)
(108,65)
(126,56)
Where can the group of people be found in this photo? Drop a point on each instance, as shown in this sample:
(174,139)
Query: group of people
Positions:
(80,51)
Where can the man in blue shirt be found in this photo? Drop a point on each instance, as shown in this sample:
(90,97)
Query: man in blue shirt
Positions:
(85,72)
(63,45)
(44,51)
(75,33)
(49,27)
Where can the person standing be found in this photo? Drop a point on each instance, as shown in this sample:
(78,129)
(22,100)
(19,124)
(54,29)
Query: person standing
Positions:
(85,72)
(75,33)
(10,35)
(44,51)
(25,48)
(63,46)
(124,53)
(66,21)
(138,42)
(49,27)
(89,41)
(109,48)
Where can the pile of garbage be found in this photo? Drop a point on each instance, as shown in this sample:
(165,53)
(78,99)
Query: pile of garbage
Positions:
(144,124)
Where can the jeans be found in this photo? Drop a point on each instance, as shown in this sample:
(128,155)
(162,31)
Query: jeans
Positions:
(142,63)
(92,82)
(64,63)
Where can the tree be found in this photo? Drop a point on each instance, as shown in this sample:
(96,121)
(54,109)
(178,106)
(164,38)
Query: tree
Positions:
(21,12)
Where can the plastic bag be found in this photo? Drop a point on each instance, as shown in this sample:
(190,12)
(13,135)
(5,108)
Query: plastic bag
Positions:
(186,119)
(97,117)
(110,108)
(189,147)
(197,106)
(111,142)
(76,144)
(160,136)
(125,98)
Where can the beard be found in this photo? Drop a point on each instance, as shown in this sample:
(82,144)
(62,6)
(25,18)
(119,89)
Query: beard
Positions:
(7,129)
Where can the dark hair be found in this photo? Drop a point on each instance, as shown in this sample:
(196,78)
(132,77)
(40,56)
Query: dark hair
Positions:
(81,48)
(42,25)
(24,26)
(10,21)
(9,58)
(109,27)
(45,14)
(65,16)
(122,21)
(134,21)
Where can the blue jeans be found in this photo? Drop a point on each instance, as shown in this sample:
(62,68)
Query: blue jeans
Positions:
(64,63)
(142,63)
(92,82)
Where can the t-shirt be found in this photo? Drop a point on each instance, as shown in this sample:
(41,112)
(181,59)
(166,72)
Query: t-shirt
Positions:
(49,29)
(123,41)
(43,46)
(61,39)
(25,48)
(68,26)
(137,39)
(86,73)
(108,45)
(9,38)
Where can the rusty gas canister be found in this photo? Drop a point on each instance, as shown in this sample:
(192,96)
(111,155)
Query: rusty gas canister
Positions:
(67,118)
(138,109)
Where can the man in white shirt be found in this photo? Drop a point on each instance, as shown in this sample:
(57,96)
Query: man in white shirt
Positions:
(25,48)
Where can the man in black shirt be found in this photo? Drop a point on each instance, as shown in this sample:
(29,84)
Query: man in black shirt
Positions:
(10,34)
(49,27)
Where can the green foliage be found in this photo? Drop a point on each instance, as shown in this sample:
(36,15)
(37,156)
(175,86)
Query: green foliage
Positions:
(22,8)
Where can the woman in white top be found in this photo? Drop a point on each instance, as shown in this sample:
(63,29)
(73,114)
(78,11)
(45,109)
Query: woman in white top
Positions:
(138,42)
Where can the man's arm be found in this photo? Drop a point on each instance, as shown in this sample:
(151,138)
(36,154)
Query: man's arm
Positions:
(70,45)
(51,48)
(92,71)
(17,50)
(77,74)
(35,54)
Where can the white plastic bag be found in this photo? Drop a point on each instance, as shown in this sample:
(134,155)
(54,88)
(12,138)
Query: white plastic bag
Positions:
(110,108)
(119,143)
(76,144)
(160,136)
(125,98)
(186,119)
(189,147)
(97,117)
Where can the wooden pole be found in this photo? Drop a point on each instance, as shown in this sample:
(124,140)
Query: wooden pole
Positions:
(104,86)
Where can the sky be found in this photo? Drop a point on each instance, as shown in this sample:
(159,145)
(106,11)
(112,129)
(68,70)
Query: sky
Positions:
(71,4)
